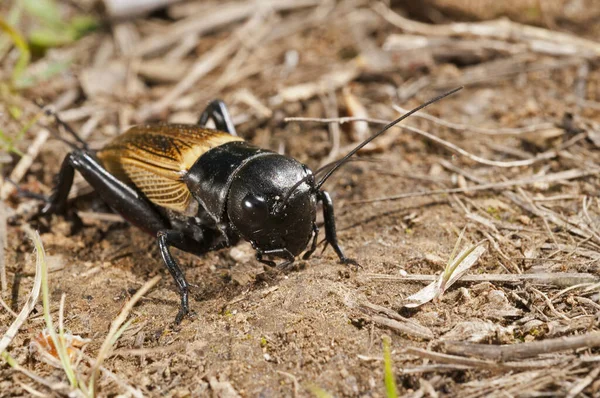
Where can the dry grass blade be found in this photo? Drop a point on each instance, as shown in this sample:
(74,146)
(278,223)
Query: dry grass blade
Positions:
(454,270)
(115,331)
(13,329)
(58,340)
(205,64)
(539,39)
(25,163)
(202,23)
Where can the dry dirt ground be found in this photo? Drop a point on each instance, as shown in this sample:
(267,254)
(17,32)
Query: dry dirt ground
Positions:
(517,148)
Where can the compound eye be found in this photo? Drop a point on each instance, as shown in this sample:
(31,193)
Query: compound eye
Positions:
(255,207)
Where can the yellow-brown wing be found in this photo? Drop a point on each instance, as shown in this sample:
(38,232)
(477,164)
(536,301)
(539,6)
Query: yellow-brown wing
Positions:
(155,158)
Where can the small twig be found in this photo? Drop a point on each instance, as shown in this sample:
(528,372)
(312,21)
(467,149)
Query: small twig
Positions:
(452,147)
(132,390)
(476,363)
(108,217)
(396,321)
(524,350)
(402,328)
(551,216)
(590,222)
(561,279)
(482,130)
(583,383)
(539,39)
(330,81)
(554,177)
(549,304)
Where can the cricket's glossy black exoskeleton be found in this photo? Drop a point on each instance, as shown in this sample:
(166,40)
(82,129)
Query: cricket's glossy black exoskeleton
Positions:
(201,189)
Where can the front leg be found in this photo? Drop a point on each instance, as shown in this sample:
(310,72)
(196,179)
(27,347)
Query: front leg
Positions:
(283,253)
(330,230)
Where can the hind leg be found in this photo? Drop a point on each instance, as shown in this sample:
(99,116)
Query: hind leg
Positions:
(131,204)
(217,111)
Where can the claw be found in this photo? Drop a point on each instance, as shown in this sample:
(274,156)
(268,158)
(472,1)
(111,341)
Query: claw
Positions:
(350,261)
(183,311)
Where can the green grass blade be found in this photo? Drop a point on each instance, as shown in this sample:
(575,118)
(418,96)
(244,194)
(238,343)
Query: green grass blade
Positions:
(58,342)
(21,44)
(391,391)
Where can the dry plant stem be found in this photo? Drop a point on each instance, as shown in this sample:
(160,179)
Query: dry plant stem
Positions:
(330,81)
(106,347)
(550,305)
(504,353)
(31,390)
(554,177)
(396,321)
(538,39)
(559,279)
(204,23)
(454,148)
(11,332)
(523,350)
(21,168)
(402,328)
(486,77)
(331,110)
(552,217)
(583,383)
(475,129)
(476,363)
(205,64)
(544,214)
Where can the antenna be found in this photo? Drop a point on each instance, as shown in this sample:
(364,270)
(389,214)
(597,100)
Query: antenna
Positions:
(343,160)
(65,125)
